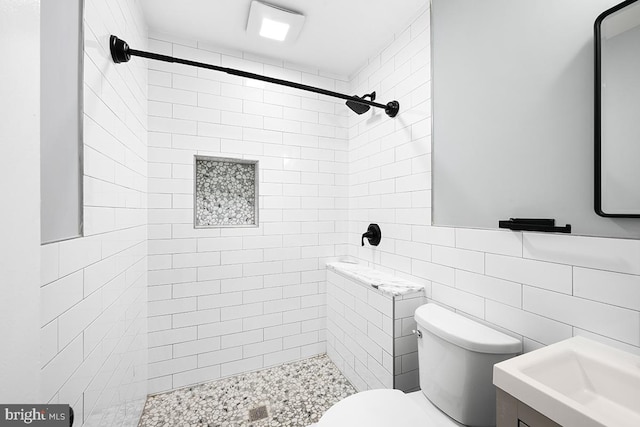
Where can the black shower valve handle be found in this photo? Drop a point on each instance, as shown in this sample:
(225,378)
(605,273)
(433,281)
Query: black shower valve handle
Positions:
(373,235)
(366,235)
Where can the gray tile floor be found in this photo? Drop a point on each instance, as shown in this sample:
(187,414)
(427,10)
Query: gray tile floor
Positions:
(295,395)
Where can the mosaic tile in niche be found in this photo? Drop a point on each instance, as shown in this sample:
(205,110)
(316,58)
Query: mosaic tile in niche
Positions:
(225,193)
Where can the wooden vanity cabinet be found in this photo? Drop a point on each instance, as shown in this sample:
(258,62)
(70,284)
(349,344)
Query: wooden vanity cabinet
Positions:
(510,412)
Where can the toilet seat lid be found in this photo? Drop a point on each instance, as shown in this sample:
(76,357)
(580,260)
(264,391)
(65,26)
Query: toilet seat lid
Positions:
(375,408)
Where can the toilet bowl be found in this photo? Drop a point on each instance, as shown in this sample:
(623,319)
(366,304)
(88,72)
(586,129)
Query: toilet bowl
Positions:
(385,407)
(455,358)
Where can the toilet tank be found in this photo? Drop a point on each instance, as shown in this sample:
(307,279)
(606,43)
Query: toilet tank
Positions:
(456,357)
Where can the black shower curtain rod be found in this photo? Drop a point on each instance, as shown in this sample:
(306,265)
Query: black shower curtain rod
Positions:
(121,52)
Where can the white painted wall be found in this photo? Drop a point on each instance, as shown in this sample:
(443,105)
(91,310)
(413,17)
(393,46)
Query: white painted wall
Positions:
(93,318)
(20,213)
(514,87)
(541,287)
(232,300)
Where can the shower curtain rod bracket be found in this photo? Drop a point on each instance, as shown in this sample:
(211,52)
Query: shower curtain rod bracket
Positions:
(121,52)
(392,108)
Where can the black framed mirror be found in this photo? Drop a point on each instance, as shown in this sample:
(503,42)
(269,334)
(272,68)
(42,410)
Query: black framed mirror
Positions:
(617,111)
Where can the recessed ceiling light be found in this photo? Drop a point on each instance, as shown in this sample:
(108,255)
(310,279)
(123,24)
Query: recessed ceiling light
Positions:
(274,22)
(274,30)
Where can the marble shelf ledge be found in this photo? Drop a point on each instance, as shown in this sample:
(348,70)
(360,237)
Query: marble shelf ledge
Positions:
(384,282)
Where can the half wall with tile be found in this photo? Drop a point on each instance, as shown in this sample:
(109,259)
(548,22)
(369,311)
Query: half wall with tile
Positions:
(369,327)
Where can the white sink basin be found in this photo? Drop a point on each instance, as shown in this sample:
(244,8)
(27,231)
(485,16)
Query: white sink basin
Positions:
(576,382)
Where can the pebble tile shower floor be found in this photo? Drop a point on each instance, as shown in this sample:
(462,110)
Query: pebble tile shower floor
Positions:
(295,395)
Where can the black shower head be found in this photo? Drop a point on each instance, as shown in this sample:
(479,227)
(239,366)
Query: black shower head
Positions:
(361,108)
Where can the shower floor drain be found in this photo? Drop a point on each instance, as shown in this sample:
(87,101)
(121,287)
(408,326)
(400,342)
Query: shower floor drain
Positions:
(258,413)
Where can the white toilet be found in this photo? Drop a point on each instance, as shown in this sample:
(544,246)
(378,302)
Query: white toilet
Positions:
(456,357)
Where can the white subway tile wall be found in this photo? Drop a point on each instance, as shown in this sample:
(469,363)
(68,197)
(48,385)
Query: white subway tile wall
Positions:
(356,352)
(94,289)
(541,288)
(405,358)
(225,301)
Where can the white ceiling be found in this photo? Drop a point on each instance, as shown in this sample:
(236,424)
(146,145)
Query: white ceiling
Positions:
(338,35)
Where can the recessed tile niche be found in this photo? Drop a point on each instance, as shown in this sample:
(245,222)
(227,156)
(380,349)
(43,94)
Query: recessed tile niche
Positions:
(226,192)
